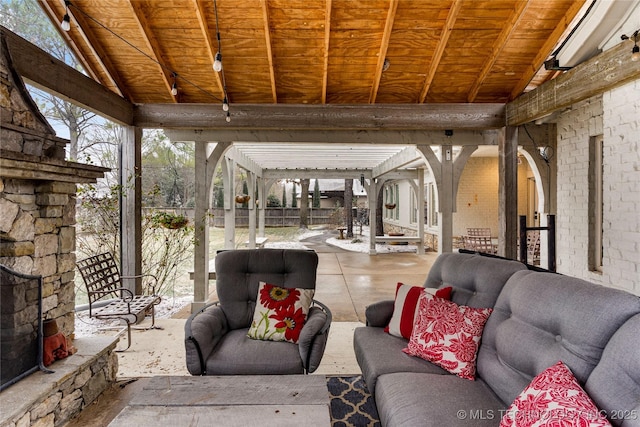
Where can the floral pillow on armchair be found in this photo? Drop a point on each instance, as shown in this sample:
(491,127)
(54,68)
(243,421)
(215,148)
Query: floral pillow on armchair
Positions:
(280,313)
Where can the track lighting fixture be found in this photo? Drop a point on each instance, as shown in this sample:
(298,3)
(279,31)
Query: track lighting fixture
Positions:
(635,50)
(217,64)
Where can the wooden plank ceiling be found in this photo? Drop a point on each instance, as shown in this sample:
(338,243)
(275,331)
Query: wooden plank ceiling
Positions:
(316,51)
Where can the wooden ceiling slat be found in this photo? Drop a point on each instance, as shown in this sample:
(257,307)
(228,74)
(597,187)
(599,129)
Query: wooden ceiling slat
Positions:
(87,48)
(327,44)
(546,48)
(446,32)
(321,51)
(384,45)
(139,13)
(267,43)
(209,38)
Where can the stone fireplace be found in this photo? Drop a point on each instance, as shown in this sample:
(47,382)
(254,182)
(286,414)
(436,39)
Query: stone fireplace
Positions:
(37,237)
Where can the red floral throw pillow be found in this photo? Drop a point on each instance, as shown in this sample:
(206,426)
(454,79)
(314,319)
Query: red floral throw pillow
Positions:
(554,398)
(447,334)
(280,313)
(405,307)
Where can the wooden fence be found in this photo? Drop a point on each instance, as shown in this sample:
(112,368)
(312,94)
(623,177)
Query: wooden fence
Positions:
(276,217)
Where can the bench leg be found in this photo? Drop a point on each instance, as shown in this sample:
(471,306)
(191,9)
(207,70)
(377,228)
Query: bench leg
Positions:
(128,338)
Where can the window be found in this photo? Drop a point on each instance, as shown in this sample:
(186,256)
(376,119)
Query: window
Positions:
(595,203)
(433,212)
(413,207)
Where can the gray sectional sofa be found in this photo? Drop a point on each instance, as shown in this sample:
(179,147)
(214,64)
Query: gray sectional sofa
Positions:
(538,319)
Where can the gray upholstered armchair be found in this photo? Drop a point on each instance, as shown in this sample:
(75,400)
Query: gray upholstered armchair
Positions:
(216,337)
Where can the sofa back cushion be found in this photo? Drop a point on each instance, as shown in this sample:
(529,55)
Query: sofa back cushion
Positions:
(239,273)
(476,280)
(614,384)
(542,318)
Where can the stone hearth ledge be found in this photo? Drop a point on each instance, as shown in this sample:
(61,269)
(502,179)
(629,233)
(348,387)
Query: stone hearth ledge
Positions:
(52,399)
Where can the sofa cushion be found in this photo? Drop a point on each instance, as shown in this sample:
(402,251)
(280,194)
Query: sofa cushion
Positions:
(541,318)
(476,280)
(238,353)
(614,384)
(428,400)
(379,353)
(447,334)
(405,307)
(553,398)
(280,313)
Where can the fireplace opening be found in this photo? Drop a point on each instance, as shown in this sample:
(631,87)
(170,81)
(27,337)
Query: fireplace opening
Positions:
(21,338)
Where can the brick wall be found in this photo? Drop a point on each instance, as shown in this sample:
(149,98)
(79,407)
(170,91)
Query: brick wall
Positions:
(616,116)
(621,129)
(477,202)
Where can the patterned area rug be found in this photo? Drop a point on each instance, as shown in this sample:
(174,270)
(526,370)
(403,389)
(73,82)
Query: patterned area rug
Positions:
(351,403)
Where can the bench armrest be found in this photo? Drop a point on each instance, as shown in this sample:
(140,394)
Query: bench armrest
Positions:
(203,331)
(379,314)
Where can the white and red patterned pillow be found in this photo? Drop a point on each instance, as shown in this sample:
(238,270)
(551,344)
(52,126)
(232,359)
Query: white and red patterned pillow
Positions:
(447,334)
(554,398)
(405,307)
(280,313)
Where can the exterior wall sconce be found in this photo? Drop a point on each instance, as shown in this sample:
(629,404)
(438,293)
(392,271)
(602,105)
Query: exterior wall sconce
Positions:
(635,50)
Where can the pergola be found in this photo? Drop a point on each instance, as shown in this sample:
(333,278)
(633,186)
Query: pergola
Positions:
(328,89)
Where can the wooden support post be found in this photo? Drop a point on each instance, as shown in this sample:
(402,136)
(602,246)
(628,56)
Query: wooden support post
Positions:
(131,207)
(420,208)
(372,196)
(507,192)
(445,200)
(201,232)
(228,182)
(251,211)
(262,203)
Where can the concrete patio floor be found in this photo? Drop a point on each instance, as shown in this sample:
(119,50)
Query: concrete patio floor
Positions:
(347,283)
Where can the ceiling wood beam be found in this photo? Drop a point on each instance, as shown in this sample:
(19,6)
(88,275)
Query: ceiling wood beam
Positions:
(100,66)
(339,137)
(138,12)
(498,46)
(211,51)
(442,43)
(54,18)
(601,73)
(327,41)
(54,76)
(384,45)
(267,41)
(334,116)
(547,48)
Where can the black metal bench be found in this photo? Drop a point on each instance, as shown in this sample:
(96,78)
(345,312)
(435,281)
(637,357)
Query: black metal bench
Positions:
(103,282)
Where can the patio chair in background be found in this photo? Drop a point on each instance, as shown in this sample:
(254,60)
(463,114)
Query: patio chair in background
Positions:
(533,247)
(480,244)
(479,232)
(108,299)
